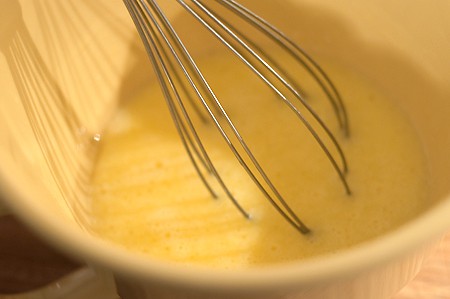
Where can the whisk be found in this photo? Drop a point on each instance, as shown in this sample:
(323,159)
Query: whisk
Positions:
(176,71)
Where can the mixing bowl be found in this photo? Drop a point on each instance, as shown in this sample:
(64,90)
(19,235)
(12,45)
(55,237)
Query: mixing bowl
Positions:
(65,65)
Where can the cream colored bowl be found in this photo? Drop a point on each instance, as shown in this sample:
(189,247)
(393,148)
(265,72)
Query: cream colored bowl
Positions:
(65,64)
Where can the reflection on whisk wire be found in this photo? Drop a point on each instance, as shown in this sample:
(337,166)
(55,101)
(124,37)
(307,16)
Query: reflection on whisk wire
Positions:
(170,58)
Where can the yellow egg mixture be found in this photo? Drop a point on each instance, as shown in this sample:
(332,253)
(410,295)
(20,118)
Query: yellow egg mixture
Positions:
(147,197)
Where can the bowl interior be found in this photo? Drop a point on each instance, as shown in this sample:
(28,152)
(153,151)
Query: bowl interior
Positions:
(62,75)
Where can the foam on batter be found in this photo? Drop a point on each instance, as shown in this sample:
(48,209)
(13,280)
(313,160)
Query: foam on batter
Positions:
(148,198)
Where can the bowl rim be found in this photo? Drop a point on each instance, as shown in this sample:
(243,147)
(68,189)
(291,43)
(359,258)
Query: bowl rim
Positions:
(418,234)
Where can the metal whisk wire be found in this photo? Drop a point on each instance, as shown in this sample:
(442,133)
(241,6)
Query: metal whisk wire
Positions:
(167,52)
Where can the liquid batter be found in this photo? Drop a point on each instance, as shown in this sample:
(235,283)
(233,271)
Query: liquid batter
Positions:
(147,197)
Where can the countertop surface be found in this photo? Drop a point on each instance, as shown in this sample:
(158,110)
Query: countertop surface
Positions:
(433,282)
(27,263)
